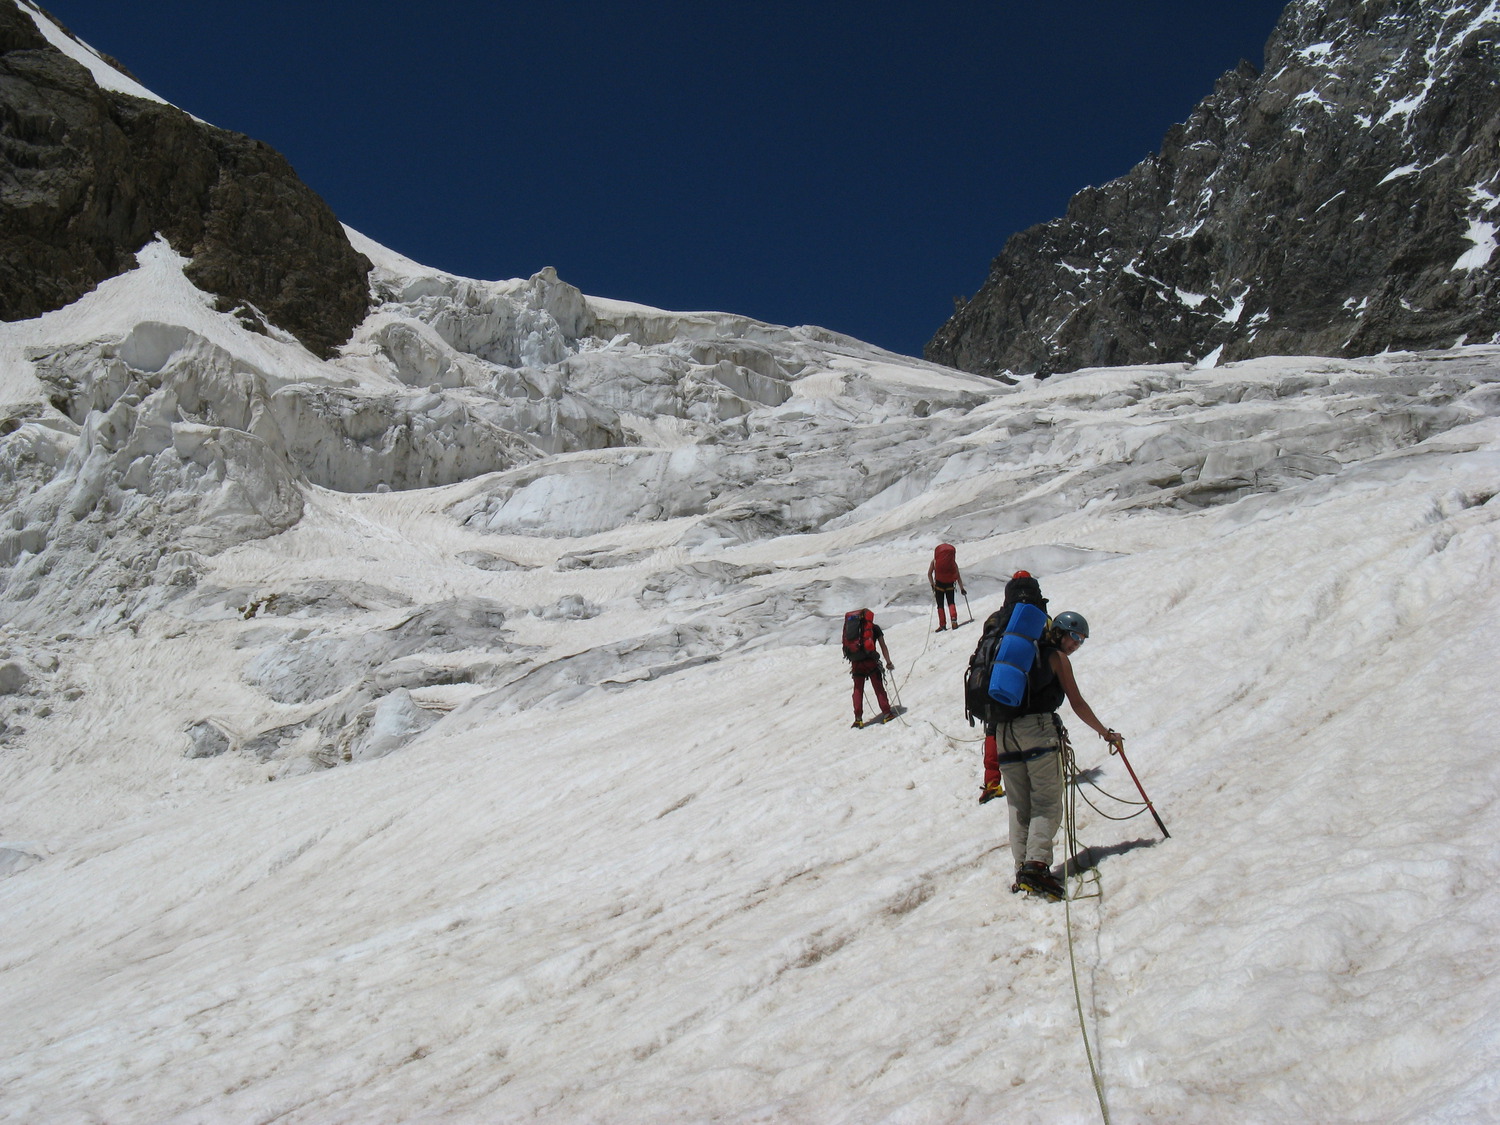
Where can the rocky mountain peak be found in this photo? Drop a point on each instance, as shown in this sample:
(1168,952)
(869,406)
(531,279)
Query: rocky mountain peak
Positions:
(1341,203)
(90,173)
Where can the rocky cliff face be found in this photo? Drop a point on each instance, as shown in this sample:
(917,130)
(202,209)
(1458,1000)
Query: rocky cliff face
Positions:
(88,176)
(1341,203)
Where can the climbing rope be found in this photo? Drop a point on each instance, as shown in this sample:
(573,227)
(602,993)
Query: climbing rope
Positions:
(910,670)
(1075,779)
(1112,797)
(951,737)
(926,644)
(896,691)
(1070,821)
(1071,779)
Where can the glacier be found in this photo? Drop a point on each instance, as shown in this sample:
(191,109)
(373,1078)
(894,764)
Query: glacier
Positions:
(455,729)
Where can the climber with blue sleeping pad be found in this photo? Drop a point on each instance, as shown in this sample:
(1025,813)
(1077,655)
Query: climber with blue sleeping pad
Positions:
(1016,655)
(1025,606)
(1018,677)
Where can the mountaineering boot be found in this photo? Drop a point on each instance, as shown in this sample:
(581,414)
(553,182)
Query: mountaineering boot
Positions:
(884,717)
(990,792)
(940,627)
(857,723)
(1034,877)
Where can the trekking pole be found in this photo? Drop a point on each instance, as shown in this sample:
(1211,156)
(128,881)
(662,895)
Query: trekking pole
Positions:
(967,610)
(1119,748)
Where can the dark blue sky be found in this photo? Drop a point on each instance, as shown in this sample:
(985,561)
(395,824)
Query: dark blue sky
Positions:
(854,165)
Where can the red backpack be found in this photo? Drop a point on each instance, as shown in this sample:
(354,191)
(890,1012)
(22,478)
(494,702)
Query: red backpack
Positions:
(945,559)
(859,635)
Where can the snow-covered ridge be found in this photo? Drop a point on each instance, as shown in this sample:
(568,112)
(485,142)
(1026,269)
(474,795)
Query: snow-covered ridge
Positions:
(1340,203)
(104,73)
(523,603)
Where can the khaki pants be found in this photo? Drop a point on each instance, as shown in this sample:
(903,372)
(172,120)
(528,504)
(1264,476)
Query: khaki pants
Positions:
(1033,789)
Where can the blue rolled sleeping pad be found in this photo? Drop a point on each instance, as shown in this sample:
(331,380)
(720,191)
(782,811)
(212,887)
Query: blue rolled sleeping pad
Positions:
(1017,652)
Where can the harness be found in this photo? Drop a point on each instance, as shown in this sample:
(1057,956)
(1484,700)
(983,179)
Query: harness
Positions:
(1011,751)
(1044,695)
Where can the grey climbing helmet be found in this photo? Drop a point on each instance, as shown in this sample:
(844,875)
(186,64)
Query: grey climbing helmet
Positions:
(1069,622)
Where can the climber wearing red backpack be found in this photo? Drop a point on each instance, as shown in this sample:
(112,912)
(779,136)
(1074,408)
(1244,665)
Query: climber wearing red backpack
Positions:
(861,636)
(943,576)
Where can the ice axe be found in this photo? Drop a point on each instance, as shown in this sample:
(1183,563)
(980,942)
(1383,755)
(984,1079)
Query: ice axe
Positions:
(1117,746)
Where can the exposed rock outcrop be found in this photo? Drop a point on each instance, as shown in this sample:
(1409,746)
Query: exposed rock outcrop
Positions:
(88,176)
(1341,203)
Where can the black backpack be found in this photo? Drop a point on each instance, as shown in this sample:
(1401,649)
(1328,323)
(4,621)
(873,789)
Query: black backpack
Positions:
(1023,589)
(859,635)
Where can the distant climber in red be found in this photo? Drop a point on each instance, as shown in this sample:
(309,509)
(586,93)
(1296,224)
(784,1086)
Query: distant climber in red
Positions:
(861,638)
(943,577)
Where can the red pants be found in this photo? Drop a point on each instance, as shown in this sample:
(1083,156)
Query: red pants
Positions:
(940,591)
(877,681)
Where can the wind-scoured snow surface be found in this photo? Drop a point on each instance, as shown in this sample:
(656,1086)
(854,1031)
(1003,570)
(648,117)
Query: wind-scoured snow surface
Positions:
(453,731)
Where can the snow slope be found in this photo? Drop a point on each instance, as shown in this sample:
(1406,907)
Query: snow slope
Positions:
(453,731)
